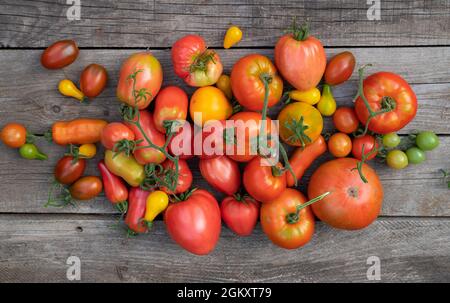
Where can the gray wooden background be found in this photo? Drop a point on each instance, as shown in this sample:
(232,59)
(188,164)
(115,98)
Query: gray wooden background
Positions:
(411,238)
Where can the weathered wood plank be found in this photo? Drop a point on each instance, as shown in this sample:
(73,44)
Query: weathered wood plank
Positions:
(35,249)
(143,23)
(28,94)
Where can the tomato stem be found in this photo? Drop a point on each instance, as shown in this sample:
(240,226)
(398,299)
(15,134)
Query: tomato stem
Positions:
(364,158)
(293,218)
(299,33)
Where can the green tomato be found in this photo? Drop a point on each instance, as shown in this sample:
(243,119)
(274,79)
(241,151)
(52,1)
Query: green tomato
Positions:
(30,151)
(415,155)
(427,140)
(396,159)
(391,140)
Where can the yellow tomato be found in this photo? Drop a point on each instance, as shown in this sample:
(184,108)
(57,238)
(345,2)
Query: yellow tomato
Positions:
(87,150)
(157,202)
(310,96)
(327,104)
(232,36)
(300,124)
(69,89)
(224,84)
(209,103)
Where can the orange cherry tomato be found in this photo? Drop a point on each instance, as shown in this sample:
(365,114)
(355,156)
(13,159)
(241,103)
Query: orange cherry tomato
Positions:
(340,145)
(345,120)
(14,135)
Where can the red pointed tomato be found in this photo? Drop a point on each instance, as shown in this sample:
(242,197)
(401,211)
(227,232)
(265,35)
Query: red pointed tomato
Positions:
(369,142)
(115,190)
(240,214)
(68,171)
(247,82)
(262,181)
(137,204)
(283,224)
(351,204)
(114,132)
(300,59)
(149,77)
(222,173)
(184,176)
(195,222)
(194,62)
(148,154)
(93,80)
(60,54)
(170,104)
(384,90)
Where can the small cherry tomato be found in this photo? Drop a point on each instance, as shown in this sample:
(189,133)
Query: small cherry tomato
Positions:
(345,120)
(310,96)
(93,80)
(397,159)
(86,188)
(340,145)
(31,152)
(224,84)
(415,155)
(391,140)
(369,142)
(59,54)
(68,89)
(68,170)
(427,140)
(232,36)
(340,68)
(88,151)
(14,135)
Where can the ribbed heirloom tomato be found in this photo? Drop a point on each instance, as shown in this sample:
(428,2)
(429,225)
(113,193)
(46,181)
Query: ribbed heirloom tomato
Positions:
(240,214)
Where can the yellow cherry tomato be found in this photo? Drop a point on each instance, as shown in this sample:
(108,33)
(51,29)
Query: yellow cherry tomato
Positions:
(69,89)
(310,96)
(209,103)
(232,37)
(157,202)
(87,150)
(224,84)
(327,104)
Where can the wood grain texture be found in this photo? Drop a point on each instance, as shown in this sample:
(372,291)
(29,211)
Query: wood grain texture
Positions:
(28,94)
(35,249)
(143,23)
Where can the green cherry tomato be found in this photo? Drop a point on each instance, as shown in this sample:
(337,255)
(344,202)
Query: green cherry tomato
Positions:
(427,140)
(396,159)
(391,140)
(30,151)
(415,155)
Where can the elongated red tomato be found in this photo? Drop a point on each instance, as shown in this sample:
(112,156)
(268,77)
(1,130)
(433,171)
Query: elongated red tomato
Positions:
(93,80)
(60,54)
(137,204)
(114,132)
(240,214)
(222,173)
(385,90)
(68,171)
(300,59)
(149,77)
(148,154)
(340,68)
(170,104)
(115,189)
(86,188)
(184,176)
(194,223)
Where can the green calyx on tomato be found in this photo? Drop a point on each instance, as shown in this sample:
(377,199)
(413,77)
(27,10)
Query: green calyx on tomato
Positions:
(31,152)
(299,33)
(298,128)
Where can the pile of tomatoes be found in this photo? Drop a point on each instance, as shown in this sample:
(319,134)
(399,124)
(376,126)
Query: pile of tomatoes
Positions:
(145,170)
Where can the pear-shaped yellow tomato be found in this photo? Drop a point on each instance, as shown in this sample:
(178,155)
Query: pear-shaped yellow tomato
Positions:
(157,202)
(209,103)
(327,104)
(300,124)
(87,150)
(310,96)
(232,36)
(69,89)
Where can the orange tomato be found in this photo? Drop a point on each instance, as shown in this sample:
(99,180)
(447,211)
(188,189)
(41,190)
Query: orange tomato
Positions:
(14,135)
(340,145)
(345,120)
(211,103)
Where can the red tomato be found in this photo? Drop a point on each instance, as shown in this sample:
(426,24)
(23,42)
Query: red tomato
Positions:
(93,80)
(246,131)
(369,142)
(184,176)
(383,89)
(86,188)
(194,223)
(345,120)
(148,154)
(222,173)
(240,214)
(262,181)
(149,79)
(283,224)
(352,203)
(115,190)
(59,54)
(114,132)
(137,204)
(209,141)
(181,144)
(301,60)
(68,171)
(340,68)
(170,104)
(247,85)
(14,135)
(194,62)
